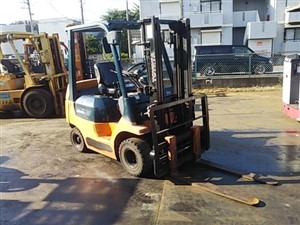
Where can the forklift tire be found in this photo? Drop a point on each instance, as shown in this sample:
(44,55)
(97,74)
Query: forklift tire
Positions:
(135,156)
(38,103)
(77,140)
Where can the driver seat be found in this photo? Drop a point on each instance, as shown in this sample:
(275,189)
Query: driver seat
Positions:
(107,79)
(12,68)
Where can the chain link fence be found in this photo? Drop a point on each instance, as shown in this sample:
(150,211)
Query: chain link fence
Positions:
(218,65)
(239,64)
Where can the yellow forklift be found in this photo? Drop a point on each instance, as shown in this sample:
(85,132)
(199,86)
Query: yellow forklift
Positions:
(142,116)
(35,82)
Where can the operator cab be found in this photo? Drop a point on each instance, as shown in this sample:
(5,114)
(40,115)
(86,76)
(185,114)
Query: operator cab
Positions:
(104,78)
(102,74)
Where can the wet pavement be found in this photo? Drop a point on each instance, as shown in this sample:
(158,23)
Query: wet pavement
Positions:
(44,181)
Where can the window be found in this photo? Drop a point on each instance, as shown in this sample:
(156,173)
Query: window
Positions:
(223,50)
(292,34)
(209,37)
(210,5)
(241,50)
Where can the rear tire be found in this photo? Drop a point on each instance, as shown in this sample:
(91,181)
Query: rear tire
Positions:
(134,156)
(77,140)
(38,103)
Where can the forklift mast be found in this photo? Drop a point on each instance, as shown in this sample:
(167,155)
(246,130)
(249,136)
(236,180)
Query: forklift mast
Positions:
(178,35)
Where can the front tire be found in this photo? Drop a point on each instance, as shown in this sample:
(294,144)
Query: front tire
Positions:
(260,69)
(134,155)
(38,103)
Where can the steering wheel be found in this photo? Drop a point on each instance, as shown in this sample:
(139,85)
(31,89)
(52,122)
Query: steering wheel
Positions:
(140,67)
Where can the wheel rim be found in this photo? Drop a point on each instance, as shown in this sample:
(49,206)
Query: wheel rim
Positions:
(260,69)
(130,158)
(77,139)
(210,71)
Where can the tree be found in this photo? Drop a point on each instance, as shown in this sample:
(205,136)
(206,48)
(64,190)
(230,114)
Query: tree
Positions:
(93,44)
(115,14)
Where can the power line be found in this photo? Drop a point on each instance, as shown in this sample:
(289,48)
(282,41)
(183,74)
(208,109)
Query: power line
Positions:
(59,12)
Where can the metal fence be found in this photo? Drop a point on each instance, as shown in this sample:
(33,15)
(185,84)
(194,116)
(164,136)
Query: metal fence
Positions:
(239,64)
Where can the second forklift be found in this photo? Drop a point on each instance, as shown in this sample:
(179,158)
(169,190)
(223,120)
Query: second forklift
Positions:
(36,82)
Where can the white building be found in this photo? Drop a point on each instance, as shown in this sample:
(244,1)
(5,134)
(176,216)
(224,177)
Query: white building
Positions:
(50,26)
(57,25)
(263,25)
(20,26)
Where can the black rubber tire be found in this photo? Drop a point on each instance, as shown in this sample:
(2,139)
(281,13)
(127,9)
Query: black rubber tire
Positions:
(77,140)
(260,69)
(38,103)
(134,155)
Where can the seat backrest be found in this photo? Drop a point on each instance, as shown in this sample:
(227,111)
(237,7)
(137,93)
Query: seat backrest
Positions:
(11,67)
(104,73)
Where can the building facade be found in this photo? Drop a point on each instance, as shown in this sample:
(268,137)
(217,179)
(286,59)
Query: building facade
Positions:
(50,26)
(57,25)
(263,25)
(19,26)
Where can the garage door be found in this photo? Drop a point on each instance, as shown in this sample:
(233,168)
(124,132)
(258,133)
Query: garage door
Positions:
(210,37)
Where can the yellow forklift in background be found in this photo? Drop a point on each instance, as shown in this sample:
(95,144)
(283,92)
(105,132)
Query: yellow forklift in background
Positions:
(36,82)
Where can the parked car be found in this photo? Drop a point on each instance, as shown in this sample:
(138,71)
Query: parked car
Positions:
(213,59)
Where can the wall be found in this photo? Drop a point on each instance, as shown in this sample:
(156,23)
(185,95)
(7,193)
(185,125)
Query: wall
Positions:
(227,6)
(237,82)
(226,36)
(261,46)
(7,50)
(148,11)
(278,41)
(56,25)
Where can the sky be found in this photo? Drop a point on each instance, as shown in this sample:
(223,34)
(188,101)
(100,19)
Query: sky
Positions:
(15,10)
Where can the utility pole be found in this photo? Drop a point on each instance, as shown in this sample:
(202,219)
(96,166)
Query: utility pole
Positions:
(27,2)
(128,33)
(180,9)
(81,10)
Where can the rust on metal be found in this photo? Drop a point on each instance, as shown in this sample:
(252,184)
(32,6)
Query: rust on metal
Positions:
(172,154)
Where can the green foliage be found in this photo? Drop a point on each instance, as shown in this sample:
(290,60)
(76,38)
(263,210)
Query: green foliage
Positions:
(109,57)
(93,45)
(115,14)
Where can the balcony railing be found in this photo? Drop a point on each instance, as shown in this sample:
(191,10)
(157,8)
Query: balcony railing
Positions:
(291,45)
(260,30)
(200,19)
(241,18)
(292,17)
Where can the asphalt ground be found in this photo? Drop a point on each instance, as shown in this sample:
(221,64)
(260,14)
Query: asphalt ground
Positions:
(44,181)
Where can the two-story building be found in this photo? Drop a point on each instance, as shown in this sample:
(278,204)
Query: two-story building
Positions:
(264,25)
